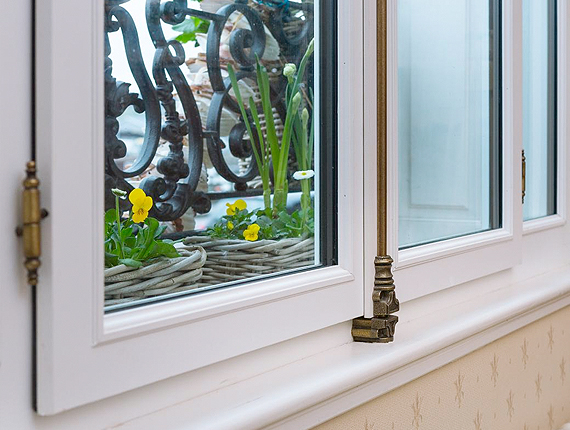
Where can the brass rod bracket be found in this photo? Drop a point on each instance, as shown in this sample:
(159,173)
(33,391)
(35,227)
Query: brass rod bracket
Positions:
(30,230)
(382,326)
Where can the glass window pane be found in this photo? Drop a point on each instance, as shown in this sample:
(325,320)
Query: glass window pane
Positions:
(449,118)
(215,111)
(539,107)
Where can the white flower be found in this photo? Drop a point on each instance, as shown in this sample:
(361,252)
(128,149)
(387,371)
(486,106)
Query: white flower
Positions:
(303,174)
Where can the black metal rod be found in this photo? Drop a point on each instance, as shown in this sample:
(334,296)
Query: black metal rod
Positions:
(203,15)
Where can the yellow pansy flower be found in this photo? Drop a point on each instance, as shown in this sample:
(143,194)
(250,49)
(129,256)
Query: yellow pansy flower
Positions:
(230,225)
(238,205)
(251,233)
(141,204)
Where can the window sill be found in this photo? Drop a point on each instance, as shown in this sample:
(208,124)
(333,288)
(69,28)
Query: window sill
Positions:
(544,223)
(314,389)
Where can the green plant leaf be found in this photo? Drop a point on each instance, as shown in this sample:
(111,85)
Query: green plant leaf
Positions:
(264,93)
(152,224)
(187,37)
(159,231)
(111,216)
(126,233)
(163,249)
(130,262)
(148,232)
(237,93)
(189,27)
(141,237)
(301,69)
(111,259)
(131,242)
(263,221)
(115,237)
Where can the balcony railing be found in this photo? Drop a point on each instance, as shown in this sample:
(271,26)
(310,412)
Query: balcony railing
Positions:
(185,116)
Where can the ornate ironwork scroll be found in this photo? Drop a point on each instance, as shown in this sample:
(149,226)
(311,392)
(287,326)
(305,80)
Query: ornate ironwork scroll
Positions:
(174,190)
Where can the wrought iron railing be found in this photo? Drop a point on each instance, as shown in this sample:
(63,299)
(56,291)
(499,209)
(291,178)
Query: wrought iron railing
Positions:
(174,191)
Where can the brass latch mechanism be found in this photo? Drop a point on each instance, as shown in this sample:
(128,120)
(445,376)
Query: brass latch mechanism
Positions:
(30,230)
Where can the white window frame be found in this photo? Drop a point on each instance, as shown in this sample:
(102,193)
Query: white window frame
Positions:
(432,267)
(559,218)
(300,382)
(434,330)
(84,355)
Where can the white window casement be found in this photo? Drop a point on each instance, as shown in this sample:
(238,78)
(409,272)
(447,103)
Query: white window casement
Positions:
(543,116)
(453,125)
(277,353)
(78,342)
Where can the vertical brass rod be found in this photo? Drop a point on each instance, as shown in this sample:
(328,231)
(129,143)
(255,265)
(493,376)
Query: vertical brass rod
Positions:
(382,139)
(381,327)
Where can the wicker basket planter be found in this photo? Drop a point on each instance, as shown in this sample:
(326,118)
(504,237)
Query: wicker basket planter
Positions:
(162,276)
(231,260)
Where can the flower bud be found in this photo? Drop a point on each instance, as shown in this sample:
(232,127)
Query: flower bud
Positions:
(305,117)
(289,71)
(296,101)
(119,193)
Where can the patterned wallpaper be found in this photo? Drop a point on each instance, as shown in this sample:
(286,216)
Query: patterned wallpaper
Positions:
(519,382)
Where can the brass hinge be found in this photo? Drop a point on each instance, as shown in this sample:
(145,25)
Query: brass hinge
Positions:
(382,325)
(30,230)
(523,175)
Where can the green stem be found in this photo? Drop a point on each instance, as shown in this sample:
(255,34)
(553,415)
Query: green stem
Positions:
(281,168)
(279,200)
(301,69)
(260,160)
(305,201)
(267,196)
(264,169)
(121,252)
(304,148)
(311,142)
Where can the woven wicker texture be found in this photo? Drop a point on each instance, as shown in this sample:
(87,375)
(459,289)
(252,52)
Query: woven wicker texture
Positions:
(231,260)
(161,276)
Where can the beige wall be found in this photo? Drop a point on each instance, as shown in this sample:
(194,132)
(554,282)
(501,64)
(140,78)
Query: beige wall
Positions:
(521,382)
